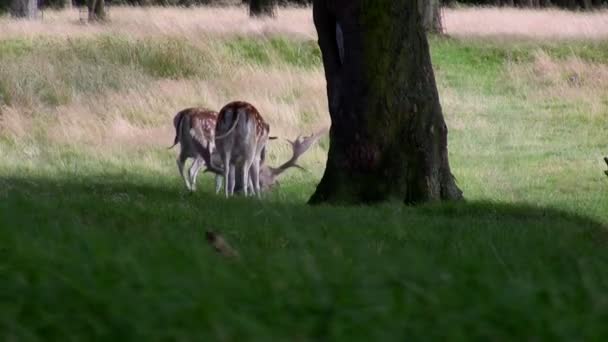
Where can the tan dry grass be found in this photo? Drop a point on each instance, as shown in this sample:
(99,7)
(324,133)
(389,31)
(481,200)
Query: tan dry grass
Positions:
(195,24)
(526,23)
(141,118)
(570,80)
(192,24)
(292,100)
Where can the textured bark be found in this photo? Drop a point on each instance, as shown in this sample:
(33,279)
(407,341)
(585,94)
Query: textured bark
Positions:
(97,11)
(262,8)
(24,8)
(388,138)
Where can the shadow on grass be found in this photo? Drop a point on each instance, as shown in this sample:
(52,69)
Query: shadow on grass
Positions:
(128,198)
(128,256)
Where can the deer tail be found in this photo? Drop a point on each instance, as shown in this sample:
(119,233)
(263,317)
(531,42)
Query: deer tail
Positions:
(178,121)
(236,121)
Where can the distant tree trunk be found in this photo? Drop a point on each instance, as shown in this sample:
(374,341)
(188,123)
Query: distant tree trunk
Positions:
(430,11)
(262,8)
(24,8)
(97,11)
(586,4)
(388,137)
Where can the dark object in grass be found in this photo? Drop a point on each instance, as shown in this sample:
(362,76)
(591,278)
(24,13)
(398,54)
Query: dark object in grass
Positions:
(219,244)
(606,160)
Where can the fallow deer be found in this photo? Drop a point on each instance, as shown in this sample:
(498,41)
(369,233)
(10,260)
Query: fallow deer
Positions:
(195,128)
(240,138)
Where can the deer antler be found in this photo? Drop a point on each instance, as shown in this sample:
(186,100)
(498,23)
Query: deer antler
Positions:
(299,146)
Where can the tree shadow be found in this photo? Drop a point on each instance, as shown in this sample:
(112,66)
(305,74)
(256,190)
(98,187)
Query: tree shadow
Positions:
(129,243)
(110,199)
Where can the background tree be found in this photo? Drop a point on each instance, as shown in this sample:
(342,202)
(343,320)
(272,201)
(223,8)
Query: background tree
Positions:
(262,8)
(388,137)
(568,4)
(430,11)
(24,8)
(97,10)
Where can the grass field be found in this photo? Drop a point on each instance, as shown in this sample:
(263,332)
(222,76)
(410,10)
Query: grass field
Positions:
(99,239)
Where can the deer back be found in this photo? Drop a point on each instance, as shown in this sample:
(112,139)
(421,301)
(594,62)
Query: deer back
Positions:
(240,128)
(203,127)
(194,126)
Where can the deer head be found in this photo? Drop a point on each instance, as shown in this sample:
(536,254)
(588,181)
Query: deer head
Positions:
(269,175)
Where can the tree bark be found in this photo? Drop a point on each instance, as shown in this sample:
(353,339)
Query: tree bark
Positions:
(262,8)
(388,138)
(24,9)
(97,11)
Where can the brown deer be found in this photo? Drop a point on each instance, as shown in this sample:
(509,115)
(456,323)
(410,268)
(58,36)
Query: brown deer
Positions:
(241,135)
(195,132)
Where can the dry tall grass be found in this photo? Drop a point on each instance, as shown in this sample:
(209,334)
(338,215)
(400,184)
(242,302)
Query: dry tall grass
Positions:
(192,24)
(297,22)
(111,108)
(527,23)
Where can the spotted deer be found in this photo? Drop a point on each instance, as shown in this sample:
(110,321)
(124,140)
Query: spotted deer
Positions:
(195,132)
(241,135)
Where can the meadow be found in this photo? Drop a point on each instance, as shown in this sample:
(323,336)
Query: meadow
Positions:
(100,240)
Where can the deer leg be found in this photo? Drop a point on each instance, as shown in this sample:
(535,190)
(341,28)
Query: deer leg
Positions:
(256,177)
(231,180)
(218,183)
(181,160)
(245,177)
(227,173)
(194,169)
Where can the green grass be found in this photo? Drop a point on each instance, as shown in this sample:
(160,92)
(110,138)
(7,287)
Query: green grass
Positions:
(304,54)
(124,257)
(108,245)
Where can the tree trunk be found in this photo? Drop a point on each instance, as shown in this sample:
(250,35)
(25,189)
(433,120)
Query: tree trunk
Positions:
(97,11)
(24,9)
(430,11)
(388,138)
(262,8)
